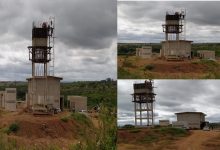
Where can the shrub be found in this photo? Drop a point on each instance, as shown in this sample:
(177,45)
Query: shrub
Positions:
(81,118)
(173,131)
(128,126)
(64,119)
(14,127)
(135,131)
(149,67)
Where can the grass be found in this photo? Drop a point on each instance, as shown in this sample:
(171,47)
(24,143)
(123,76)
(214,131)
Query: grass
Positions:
(65,118)
(149,67)
(135,131)
(149,139)
(128,126)
(14,127)
(173,131)
(81,118)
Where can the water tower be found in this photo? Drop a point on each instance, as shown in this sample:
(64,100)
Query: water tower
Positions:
(43,86)
(175,47)
(143,99)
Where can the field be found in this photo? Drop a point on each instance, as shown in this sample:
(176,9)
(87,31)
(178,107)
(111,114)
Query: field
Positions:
(167,138)
(66,130)
(137,68)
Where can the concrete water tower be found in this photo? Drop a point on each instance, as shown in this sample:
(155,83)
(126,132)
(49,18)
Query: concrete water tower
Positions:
(43,86)
(175,47)
(143,99)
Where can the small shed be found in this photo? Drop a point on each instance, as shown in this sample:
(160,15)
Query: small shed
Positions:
(2,99)
(164,122)
(193,119)
(206,54)
(144,52)
(77,103)
(10,99)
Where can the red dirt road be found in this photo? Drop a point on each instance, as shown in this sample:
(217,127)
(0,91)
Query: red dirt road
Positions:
(197,140)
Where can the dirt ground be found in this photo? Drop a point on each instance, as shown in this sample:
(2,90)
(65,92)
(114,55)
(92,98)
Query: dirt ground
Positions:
(200,140)
(167,69)
(196,140)
(43,130)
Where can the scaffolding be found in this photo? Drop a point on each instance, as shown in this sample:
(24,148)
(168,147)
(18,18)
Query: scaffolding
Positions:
(174,26)
(41,53)
(143,99)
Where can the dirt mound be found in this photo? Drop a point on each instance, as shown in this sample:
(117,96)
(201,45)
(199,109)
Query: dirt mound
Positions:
(176,67)
(44,129)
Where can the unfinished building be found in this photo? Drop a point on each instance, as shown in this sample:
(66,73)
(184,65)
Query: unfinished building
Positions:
(144,52)
(77,103)
(164,122)
(143,99)
(206,54)
(191,120)
(8,99)
(175,47)
(43,87)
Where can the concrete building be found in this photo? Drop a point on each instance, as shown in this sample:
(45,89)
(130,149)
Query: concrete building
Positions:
(193,119)
(77,103)
(180,124)
(206,54)
(144,52)
(10,99)
(176,49)
(2,99)
(164,122)
(38,86)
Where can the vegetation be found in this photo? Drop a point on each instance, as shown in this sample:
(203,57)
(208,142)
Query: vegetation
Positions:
(96,91)
(81,118)
(14,127)
(128,126)
(6,144)
(130,48)
(105,138)
(173,131)
(149,67)
(64,119)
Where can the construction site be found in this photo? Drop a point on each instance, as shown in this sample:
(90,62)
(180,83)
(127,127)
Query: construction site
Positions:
(44,113)
(174,57)
(189,128)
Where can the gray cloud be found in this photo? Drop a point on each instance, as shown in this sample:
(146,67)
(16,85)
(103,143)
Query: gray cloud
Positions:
(85,37)
(173,96)
(201,19)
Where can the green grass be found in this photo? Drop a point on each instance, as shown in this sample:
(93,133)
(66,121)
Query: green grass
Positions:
(14,127)
(65,118)
(81,118)
(173,131)
(149,67)
(149,139)
(128,126)
(123,74)
(135,131)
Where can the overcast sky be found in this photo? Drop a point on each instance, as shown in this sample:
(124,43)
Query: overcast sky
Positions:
(85,44)
(142,21)
(173,96)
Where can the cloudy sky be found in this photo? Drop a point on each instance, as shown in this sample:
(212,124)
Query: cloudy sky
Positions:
(142,21)
(173,96)
(85,41)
